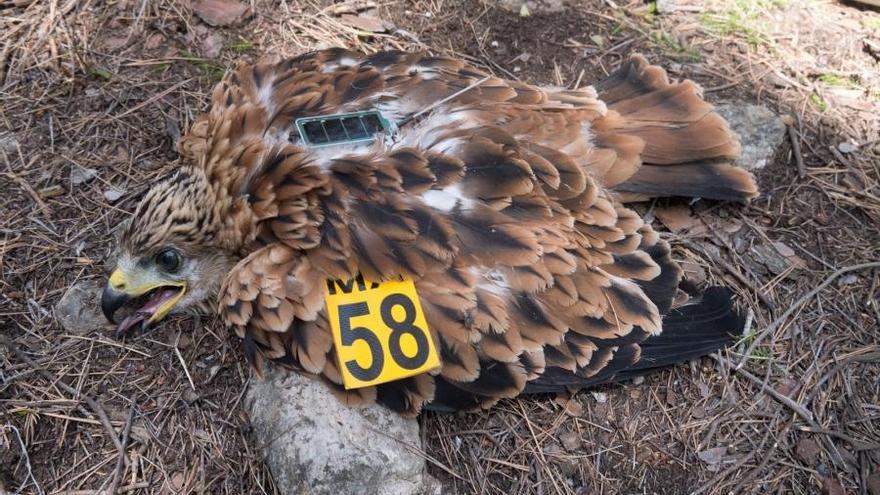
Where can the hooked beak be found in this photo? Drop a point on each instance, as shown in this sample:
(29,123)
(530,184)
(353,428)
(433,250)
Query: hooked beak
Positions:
(150,297)
(111,301)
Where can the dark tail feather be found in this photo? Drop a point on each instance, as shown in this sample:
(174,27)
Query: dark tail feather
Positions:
(687,146)
(701,327)
(720,181)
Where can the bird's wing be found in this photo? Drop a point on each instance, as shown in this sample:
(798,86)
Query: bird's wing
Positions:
(494,203)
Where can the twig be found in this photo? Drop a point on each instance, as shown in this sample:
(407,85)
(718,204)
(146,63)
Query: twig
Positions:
(183,363)
(794,406)
(27,461)
(734,272)
(794,307)
(92,403)
(800,410)
(120,461)
(153,99)
(795,138)
(738,464)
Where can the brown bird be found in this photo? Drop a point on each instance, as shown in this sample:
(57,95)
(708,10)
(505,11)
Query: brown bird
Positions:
(409,217)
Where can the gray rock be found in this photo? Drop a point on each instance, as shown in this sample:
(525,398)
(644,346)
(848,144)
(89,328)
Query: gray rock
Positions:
(761,132)
(532,6)
(314,444)
(666,6)
(113,195)
(79,310)
(82,175)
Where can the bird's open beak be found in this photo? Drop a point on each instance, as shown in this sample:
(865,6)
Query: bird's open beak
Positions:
(150,297)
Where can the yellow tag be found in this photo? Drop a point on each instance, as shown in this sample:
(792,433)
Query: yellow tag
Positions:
(379,330)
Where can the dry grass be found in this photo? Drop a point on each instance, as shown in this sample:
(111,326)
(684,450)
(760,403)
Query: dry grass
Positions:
(108,86)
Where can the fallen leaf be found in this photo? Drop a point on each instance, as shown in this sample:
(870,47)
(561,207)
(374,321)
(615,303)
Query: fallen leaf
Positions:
(154,41)
(730,225)
(572,407)
(787,387)
(770,258)
(366,23)
(219,13)
(830,486)
(679,218)
(570,440)
(808,451)
(114,43)
(211,45)
(51,191)
(693,272)
(177,480)
(704,389)
(873,483)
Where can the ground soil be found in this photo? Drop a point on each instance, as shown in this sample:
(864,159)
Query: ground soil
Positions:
(110,85)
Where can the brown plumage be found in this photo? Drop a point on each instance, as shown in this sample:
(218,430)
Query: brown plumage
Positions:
(503,204)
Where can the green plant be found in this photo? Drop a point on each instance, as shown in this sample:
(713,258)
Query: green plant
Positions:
(841,81)
(240,46)
(818,102)
(209,68)
(871,23)
(745,18)
(673,47)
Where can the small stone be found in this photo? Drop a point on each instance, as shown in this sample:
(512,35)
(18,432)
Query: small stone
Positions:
(113,195)
(8,143)
(783,249)
(666,6)
(526,8)
(847,147)
(714,458)
(601,397)
(761,132)
(316,444)
(79,310)
(81,175)
(638,380)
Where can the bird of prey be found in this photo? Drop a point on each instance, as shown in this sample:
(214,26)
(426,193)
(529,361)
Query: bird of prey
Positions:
(477,227)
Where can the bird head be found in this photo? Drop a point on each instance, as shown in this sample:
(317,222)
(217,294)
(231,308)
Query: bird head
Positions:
(173,253)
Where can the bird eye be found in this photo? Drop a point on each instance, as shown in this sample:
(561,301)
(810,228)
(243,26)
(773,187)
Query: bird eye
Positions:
(169,260)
